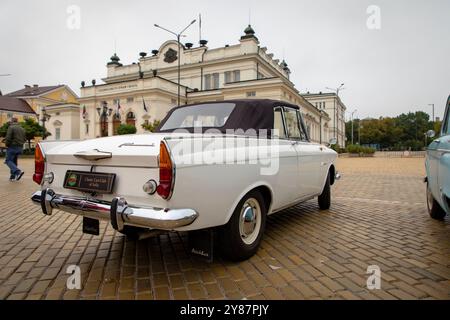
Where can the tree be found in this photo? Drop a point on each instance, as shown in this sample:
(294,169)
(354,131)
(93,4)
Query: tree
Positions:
(32,129)
(151,126)
(406,131)
(126,129)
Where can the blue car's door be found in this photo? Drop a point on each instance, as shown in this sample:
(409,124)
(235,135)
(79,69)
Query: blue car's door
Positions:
(443,149)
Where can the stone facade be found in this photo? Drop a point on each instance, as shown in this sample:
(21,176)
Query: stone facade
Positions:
(335,108)
(244,70)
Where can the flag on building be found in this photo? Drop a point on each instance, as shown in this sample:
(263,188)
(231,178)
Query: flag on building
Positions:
(84,112)
(118,107)
(145,107)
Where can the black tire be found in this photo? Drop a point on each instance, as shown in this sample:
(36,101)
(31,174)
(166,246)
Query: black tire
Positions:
(434,208)
(325,197)
(231,242)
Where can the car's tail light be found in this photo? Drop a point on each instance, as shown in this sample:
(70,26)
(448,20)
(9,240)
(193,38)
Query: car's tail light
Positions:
(39,165)
(166,172)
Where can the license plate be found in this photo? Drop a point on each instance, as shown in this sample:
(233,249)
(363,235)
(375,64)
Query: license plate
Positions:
(91,226)
(89,181)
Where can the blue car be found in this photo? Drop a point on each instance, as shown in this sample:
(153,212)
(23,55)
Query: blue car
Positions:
(437,164)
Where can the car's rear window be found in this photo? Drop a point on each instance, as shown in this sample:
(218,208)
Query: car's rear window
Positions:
(203,115)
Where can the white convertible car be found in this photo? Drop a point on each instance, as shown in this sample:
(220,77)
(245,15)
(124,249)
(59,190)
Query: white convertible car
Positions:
(218,166)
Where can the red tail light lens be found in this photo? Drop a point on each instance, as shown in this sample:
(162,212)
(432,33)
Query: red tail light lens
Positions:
(166,177)
(39,165)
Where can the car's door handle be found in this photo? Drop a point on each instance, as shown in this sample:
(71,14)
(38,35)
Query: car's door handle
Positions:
(323,164)
(437,141)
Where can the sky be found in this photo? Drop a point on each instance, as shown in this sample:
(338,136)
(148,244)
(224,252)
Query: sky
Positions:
(392,55)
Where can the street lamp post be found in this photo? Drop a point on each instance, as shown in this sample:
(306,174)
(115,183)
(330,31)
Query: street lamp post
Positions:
(45,118)
(352,124)
(359,132)
(178,35)
(320,125)
(432,106)
(104,113)
(336,113)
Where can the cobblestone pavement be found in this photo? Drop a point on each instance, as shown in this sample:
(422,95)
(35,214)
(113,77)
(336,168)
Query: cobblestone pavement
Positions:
(378,217)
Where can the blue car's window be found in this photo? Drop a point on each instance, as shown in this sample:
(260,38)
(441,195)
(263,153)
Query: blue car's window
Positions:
(446,123)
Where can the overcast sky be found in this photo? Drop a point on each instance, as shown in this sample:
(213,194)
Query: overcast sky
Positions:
(402,66)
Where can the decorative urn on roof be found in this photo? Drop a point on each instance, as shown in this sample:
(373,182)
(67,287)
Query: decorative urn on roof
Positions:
(249,33)
(114,60)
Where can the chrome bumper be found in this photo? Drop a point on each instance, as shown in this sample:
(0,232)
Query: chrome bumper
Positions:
(117,211)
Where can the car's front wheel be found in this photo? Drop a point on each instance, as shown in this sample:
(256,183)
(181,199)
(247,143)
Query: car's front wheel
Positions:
(239,239)
(434,208)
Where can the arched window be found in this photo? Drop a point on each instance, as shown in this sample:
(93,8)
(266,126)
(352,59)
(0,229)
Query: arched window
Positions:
(116,122)
(131,118)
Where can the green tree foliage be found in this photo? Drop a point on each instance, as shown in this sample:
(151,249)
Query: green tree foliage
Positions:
(151,126)
(32,129)
(404,132)
(126,129)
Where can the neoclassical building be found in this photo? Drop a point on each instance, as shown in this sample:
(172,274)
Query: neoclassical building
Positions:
(56,107)
(335,108)
(146,90)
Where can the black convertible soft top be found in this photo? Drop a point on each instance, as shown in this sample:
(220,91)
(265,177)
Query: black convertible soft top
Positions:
(247,114)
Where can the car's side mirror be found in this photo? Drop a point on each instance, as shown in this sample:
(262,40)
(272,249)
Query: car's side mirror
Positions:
(430,133)
(332,141)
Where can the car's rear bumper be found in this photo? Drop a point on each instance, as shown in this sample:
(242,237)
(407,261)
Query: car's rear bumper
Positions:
(116,211)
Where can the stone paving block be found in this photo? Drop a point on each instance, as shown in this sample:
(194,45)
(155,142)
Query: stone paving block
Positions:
(378,217)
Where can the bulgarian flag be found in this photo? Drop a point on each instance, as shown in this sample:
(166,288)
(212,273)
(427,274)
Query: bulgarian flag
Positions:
(118,107)
(145,107)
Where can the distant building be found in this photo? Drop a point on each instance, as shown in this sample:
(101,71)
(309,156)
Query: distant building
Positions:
(14,107)
(335,108)
(58,103)
(147,90)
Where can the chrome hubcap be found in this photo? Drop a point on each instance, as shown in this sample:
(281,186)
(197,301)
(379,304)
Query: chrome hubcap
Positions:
(250,221)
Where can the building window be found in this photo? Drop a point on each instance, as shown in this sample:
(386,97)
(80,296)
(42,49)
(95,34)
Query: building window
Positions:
(237,75)
(87,128)
(9,115)
(130,99)
(173,102)
(251,94)
(228,77)
(232,76)
(116,101)
(323,105)
(58,134)
(216,80)
(207,81)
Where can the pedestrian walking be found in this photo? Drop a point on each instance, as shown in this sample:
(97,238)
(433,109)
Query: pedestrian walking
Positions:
(15,138)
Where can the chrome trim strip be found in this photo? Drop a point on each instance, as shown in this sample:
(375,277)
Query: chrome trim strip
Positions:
(144,217)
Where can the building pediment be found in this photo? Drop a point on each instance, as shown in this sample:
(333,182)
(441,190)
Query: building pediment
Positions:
(57,123)
(172,44)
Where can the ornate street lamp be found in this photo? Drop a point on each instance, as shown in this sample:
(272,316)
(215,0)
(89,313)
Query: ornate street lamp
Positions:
(45,118)
(336,113)
(178,35)
(104,113)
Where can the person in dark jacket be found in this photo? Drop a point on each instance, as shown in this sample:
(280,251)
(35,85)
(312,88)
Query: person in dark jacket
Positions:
(15,138)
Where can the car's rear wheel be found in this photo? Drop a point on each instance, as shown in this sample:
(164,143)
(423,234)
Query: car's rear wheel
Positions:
(325,197)
(434,208)
(239,239)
